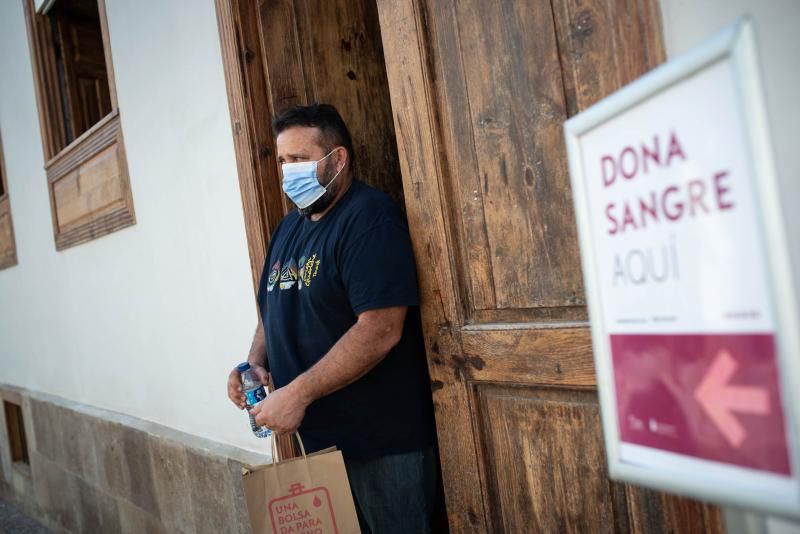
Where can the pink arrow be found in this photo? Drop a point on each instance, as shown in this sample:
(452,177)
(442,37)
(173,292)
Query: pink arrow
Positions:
(720,400)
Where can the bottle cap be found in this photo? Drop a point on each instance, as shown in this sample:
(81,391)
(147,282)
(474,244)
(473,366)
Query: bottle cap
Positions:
(242,367)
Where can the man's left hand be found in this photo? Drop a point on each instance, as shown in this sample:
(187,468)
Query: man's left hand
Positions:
(282,411)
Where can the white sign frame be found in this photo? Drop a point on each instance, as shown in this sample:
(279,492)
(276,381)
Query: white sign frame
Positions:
(737,45)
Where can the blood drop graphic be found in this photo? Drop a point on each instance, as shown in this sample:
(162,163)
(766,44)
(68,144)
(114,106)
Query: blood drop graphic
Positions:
(317,502)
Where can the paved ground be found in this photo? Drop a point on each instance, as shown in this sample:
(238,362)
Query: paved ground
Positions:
(14,522)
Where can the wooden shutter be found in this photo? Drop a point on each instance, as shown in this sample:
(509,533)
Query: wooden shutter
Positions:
(87,171)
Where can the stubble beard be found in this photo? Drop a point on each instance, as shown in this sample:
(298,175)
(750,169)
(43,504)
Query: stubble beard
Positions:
(323,202)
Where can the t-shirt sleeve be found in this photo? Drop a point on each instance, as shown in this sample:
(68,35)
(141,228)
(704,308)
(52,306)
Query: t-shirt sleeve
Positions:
(378,270)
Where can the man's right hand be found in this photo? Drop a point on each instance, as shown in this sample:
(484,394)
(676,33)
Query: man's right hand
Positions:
(235,393)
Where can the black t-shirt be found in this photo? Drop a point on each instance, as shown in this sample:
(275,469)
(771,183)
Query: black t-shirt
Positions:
(317,278)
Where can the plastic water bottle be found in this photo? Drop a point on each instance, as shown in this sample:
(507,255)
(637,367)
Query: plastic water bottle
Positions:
(254,393)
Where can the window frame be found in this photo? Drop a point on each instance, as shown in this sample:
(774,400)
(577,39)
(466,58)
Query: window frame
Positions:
(3,184)
(8,259)
(15,433)
(97,154)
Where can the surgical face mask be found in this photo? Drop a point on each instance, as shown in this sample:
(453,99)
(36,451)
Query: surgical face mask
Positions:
(300,181)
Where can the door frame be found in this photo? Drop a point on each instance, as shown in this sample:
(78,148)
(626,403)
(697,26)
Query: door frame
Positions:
(407,49)
(247,87)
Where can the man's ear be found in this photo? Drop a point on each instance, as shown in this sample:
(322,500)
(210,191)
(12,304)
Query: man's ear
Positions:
(342,156)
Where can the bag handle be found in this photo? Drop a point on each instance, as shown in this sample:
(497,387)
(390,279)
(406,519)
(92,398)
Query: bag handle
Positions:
(276,459)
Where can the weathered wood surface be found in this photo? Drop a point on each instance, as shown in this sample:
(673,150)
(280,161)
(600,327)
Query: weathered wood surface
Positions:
(544,462)
(409,75)
(276,54)
(89,190)
(555,356)
(86,76)
(337,62)
(502,109)
(8,247)
(248,99)
(90,146)
(479,95)
(52,126)
(90,193)
(251,116)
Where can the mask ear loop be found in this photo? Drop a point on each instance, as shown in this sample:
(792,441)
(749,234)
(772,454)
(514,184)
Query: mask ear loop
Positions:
(338,172)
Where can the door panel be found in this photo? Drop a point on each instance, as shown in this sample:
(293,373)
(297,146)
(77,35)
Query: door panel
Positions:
(556,356)
(530,471)
(330,51)
(306,51)
(513,194)
(604,45)
(480,92)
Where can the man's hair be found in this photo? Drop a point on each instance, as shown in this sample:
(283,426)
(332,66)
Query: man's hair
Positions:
(333,130)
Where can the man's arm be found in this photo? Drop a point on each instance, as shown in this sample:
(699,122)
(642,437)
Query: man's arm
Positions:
(258,348)
(360,349)
(257,358)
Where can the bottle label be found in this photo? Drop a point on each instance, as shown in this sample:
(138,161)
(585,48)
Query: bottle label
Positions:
(256,395)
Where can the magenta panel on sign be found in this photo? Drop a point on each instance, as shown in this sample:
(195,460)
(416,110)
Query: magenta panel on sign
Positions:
(713,397)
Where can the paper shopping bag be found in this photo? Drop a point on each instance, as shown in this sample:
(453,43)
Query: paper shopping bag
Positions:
(306,495)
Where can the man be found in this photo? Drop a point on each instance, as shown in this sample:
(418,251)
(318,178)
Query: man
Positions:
(339,304)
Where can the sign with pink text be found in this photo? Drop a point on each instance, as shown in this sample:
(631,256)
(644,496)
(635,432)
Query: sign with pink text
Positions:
(690,292)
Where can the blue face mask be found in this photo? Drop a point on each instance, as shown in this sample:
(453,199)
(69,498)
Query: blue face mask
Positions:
(300,182)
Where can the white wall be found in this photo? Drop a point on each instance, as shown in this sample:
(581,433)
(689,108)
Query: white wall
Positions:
(687,23)
(147,321)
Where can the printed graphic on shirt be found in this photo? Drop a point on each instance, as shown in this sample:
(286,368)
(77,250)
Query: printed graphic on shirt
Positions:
(301,273)
(310,269)
(273,276)
(289,274)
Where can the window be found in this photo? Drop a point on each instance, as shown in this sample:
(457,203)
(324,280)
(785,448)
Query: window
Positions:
(2,176)
(86,169)
(17,442)
(8,248)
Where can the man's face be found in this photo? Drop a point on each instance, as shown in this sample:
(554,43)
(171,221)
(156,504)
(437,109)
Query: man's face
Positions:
(304,144)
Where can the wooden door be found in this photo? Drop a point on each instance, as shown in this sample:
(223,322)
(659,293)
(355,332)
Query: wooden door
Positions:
(278,53)
(281,53)
(330,51)
(480,91)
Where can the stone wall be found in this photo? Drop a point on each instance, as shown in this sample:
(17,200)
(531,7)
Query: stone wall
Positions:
(97,471)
